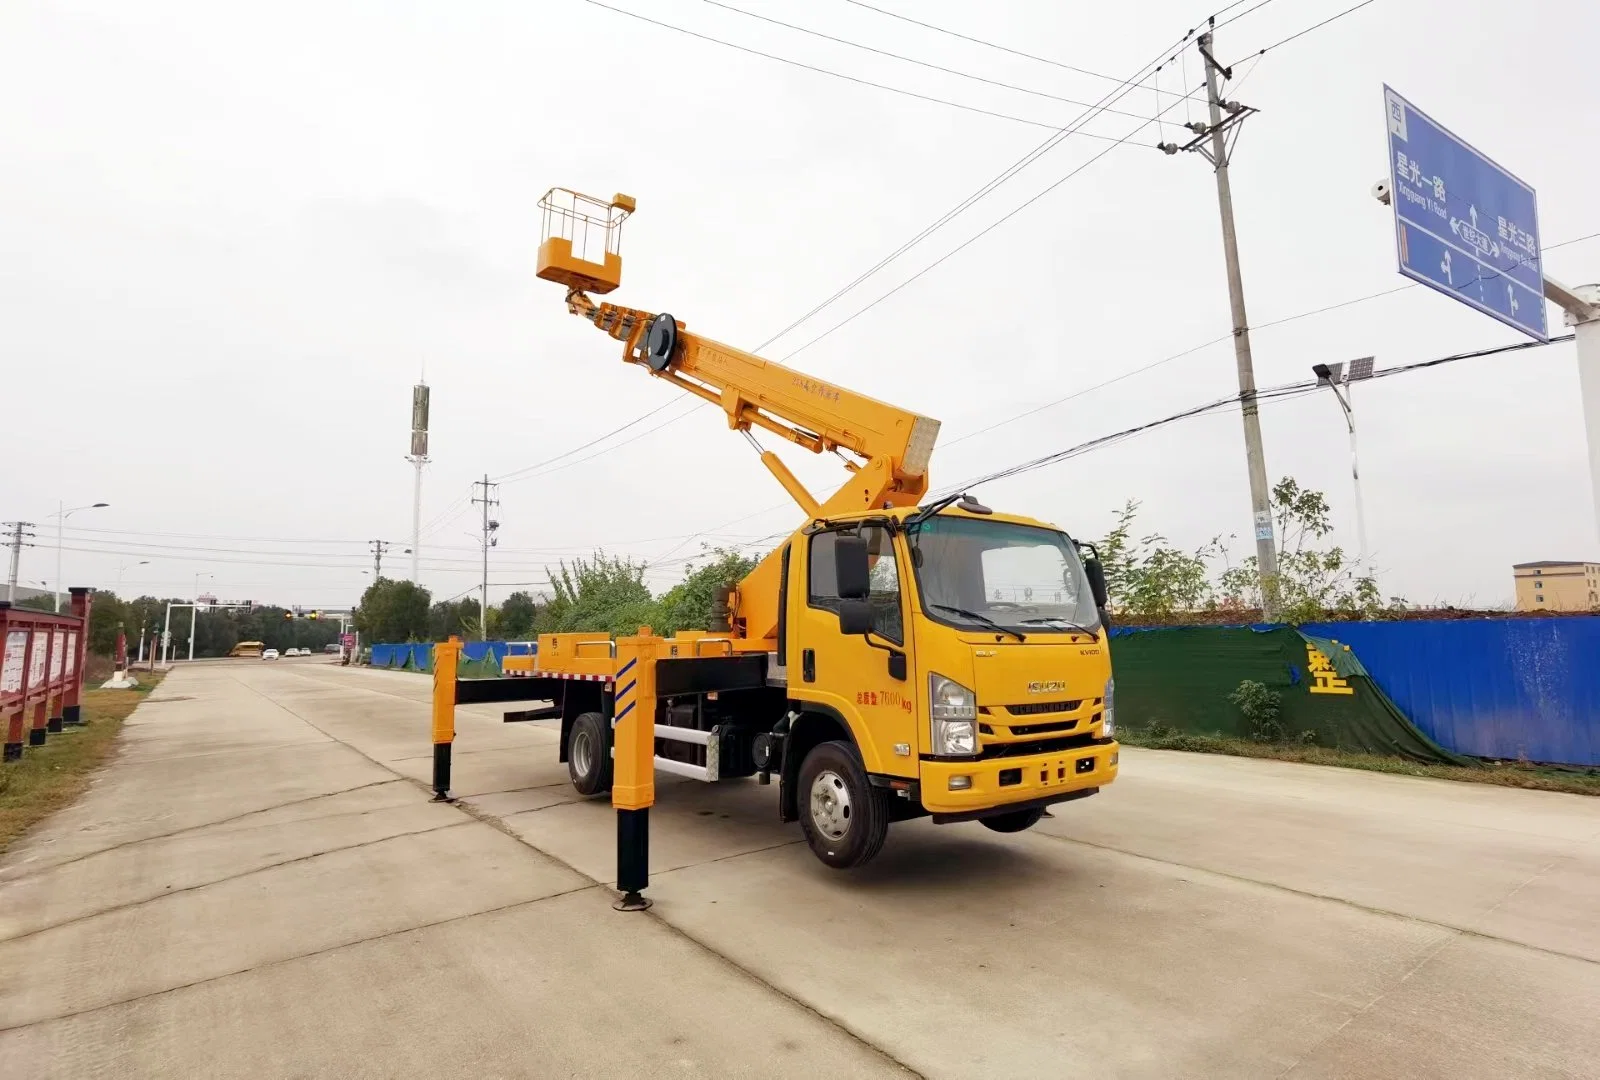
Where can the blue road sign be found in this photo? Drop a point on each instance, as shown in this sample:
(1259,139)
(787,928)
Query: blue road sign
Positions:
(1463,225)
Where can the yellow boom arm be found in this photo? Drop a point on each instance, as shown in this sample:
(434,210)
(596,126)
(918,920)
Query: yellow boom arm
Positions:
(885,448)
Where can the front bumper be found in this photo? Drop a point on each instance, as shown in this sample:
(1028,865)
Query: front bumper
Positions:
(1027,779)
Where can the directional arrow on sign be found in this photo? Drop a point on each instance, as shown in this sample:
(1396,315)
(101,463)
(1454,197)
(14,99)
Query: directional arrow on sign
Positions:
(1455,226)
(1511,297)
(1444,265)
(1474,212)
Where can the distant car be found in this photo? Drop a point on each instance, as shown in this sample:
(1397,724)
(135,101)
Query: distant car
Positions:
(291,652)
(269,654)
(333,650)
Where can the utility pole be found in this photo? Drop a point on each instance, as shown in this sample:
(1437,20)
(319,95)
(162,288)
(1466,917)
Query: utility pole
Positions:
(378,548)
(1221,133)
(487,541)
(19,537)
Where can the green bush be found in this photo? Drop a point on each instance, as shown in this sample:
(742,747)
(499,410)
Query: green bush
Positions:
(1260,708)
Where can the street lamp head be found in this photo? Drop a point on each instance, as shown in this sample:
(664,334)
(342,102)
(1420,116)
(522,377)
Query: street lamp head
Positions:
(1322,371)
(98,506)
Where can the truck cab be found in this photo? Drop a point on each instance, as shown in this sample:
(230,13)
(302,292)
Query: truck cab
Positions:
(959,657)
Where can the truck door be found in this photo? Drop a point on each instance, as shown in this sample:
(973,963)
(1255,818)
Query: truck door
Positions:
(851,675)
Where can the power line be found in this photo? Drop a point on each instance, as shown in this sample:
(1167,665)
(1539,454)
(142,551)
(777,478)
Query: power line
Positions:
(909,59)
(1113,96)
(967,203)
(617,446)
(1272,393)
(1252,8)
(1316,26)
(514,473)
(966,243)
(820,70)
(983,42)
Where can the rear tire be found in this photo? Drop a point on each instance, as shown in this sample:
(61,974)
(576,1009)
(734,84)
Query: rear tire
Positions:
(1015,821)
(845,819)
(589,754)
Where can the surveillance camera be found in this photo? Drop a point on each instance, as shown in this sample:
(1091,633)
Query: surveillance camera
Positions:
(1380,191)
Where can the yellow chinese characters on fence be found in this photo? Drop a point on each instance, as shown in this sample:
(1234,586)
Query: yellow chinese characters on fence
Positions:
(1324,680)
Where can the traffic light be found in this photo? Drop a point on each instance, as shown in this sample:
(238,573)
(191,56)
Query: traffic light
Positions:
(314,615)
(288,614)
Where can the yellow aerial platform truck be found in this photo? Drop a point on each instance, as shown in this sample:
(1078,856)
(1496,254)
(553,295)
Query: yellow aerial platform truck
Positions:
(894,658)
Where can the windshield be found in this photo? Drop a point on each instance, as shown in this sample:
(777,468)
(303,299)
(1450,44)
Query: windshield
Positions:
(976,574)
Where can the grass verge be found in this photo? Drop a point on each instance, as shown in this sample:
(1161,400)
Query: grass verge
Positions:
(1535,777)
(51,776)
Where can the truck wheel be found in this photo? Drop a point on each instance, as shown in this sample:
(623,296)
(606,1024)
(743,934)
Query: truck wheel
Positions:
(844,817)
(589,754)
(1015,821)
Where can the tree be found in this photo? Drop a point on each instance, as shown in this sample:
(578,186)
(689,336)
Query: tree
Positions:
(1148,578)
(687,605)
(393,611)
(517,614)
(1311,582)
(453,618)
(603,593)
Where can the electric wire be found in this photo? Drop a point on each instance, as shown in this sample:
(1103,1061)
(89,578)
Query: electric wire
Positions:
(515,473)
(1272,393)
(986,230)
(982,41)
(820,70)
(910,60)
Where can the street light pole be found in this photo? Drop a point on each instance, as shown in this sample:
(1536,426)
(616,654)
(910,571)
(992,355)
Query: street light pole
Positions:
(1333,376)
(62,513)
(194,611)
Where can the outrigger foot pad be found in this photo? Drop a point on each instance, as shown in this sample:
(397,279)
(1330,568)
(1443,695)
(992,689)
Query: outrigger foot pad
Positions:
(632,901)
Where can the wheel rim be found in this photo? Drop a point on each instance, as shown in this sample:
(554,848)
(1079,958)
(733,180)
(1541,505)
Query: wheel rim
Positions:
(830,805)
(582,753)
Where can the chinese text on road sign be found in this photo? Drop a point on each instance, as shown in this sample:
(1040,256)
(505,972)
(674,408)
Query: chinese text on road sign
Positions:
(1463,225)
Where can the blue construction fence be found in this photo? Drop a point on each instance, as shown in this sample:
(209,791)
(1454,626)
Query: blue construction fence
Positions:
(418,655)
(1502,688)
(1491,688)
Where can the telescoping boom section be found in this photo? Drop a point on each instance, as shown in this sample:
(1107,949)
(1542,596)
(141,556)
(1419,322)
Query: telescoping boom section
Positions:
(890,660)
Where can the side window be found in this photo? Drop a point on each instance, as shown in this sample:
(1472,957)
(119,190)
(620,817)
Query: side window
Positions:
(822,589)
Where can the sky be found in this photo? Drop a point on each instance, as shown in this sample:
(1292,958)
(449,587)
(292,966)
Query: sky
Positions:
(236,235)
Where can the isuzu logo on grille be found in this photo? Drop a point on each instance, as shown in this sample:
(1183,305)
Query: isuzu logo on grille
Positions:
(1046,687)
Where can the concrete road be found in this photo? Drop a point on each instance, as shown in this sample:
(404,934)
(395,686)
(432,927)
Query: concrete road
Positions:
(259,887)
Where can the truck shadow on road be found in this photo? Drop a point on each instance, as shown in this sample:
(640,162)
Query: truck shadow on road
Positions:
(939,858)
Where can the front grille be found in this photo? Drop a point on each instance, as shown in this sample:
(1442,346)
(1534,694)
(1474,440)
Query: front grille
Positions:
(1039,708)
(1042,746)
(1040,729)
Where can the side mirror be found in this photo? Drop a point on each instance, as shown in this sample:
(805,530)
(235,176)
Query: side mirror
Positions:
(852,575)
(855,617)
(1097,581)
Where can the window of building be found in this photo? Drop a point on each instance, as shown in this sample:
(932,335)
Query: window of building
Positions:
(1538,598)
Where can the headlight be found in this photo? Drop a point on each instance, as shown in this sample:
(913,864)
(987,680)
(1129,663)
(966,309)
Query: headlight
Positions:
(953,718)
(1111,708)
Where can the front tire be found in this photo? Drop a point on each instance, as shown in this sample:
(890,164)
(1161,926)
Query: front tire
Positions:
(845,819)
(1015,821)
(589,754)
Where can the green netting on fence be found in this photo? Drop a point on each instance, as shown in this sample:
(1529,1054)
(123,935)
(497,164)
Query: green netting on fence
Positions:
(487,668)
(1181,678)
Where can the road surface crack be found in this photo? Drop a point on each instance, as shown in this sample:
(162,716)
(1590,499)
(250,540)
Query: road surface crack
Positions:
(165,893)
